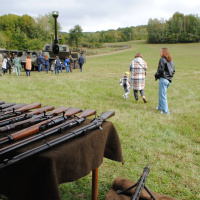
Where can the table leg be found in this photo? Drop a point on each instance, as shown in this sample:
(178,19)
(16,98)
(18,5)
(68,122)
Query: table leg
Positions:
(94,184)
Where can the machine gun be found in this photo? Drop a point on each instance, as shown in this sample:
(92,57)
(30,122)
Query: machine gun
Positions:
(58,129)
(19,111)
(45,122)
(139,186)
(96,123)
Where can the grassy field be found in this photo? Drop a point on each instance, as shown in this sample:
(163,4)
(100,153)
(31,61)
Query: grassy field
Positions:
(169,143)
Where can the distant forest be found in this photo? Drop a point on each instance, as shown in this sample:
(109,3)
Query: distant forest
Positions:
(26,32)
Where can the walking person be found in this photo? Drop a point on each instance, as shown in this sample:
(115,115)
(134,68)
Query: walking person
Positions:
(4,64)
(8,65)
(17,65)
(28,65)
(165,73)
(1,60)
(39,62)
(57,65)
(46,63)
(125,84)
(71,63)
(66,64)
(81,62)
(138,69)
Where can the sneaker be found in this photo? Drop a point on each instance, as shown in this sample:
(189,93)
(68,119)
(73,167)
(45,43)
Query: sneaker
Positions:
(161,112)
(157,108)
(124,96)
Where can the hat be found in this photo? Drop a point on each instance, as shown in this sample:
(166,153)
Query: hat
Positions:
(126,73)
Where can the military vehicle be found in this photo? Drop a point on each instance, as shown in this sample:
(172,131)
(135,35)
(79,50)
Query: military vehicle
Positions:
(10,53)
(56,49)
(34,55)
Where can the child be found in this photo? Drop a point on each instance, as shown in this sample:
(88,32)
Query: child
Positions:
(52,67)
(125,84)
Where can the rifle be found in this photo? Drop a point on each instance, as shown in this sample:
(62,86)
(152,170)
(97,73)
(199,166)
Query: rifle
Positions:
(17,123)
(44,119)
(58,129)
(6,105)
(96,123)
(139,186)
(12,108)
(2,102)
(20,111)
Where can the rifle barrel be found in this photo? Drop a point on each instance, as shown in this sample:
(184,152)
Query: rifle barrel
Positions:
(85,129)
(60,128)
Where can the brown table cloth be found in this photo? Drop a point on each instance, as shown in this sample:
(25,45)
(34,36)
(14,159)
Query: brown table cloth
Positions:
(122,184)
(38,177)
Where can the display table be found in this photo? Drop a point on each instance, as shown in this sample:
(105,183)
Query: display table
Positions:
(38,177)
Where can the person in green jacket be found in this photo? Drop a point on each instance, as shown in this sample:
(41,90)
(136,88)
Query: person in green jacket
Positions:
(17,65)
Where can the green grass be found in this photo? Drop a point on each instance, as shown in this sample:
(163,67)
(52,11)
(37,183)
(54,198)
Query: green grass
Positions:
(169,143)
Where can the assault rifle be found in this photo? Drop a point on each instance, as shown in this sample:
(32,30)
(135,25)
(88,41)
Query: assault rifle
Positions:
(58,129)
(6,105)
(29,119)
(2,102)
(12,108)
(46,122)
(139,186)
(96,123)
(20,111)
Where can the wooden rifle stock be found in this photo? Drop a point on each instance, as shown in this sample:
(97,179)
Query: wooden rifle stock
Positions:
(6,105)
(33,129)
(26,122)
(96,123)
(2,102)
(57,129)
(20,111)
(12,108)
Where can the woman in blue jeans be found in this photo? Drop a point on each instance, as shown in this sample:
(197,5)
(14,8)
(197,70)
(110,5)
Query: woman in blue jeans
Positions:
(165,72)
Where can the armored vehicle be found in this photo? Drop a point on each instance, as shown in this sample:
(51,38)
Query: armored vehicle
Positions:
(56,49)
(34,55)
(11,53)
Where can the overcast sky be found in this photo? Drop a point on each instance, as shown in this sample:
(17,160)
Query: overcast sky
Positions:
(98,15)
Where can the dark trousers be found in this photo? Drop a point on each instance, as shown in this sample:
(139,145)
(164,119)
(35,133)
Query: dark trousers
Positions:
(136,93)
(81,66)
(28,72)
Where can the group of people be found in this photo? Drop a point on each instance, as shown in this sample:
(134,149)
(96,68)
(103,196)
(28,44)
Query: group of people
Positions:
(68,64)
(6,64)
(138,68)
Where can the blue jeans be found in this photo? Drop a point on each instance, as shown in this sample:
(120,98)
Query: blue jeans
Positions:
(61,68)
(163,86)
(28,72)
(126,92)
(57,69)
(67,68)
(39,68)
(46,68)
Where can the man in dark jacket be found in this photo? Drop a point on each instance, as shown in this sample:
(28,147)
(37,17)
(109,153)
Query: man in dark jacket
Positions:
(81,61)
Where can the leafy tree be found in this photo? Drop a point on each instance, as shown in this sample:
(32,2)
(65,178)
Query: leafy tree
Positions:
(76,34)
(2,40)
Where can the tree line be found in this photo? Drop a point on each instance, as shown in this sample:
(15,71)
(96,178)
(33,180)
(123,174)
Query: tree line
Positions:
(179,28)
(26,32)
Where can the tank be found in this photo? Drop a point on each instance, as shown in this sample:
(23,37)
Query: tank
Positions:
(61,50)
